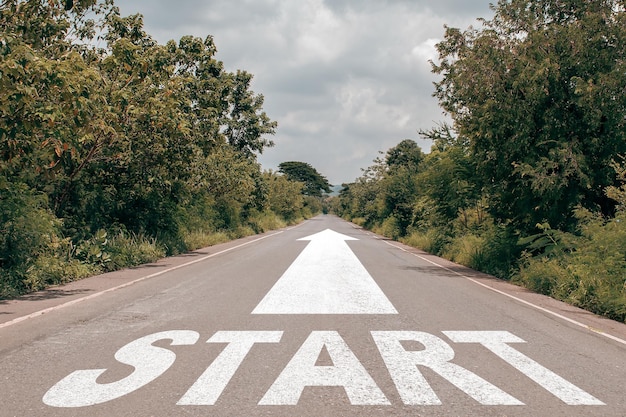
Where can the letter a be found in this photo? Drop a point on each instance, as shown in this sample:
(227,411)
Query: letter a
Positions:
(346,372)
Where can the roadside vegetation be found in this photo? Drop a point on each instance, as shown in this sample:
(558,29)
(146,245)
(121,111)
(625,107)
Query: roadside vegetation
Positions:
(116,150)
(528,181)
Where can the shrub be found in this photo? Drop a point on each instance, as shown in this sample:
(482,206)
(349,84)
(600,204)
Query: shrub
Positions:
(389,228)
(201,239)
(431,241)
(265,221)
(500,253)
(32,255)
(241,231)
(51,270)
(359,221)
(541,275)
(313,205)
(465,250)
(587,271)
(27,227)
(127,250)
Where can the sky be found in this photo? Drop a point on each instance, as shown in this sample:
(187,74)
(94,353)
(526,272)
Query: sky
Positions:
(344,79)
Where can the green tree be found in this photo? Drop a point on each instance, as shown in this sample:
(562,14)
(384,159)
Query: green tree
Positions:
(538,92)
(406,154)
(284,196)
(245,123)
(448,177)
(398,183)
(314,182)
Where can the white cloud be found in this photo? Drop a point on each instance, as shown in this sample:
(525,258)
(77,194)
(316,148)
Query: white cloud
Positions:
(426,51)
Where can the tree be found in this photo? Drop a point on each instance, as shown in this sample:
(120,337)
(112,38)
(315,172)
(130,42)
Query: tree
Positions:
(398,183)
(448,176)
(284,196)
(245,122)
(405,154)
(538,92)
(314,182)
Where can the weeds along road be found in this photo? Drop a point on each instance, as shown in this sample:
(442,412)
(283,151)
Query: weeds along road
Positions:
(316,320)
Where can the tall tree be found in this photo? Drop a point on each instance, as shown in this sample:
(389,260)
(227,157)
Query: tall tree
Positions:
(398,183)
(539,93)
(405,154)
(246,125)
(314,182)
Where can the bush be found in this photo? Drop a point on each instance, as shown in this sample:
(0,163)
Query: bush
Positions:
(32,254)
(432,241)
(127,250)
(265,221)
(27,227)
(500,253)
(313,204)
(359,221)
(587,270)
(241,231)
(465,250)
(389,228)
(541,275)
(201,239)
(51,270)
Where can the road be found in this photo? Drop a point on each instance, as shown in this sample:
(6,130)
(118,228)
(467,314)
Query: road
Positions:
(321,319)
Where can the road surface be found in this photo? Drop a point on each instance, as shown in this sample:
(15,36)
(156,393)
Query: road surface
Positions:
(321,319)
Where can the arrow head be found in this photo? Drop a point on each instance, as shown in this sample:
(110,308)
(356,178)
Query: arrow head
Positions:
(327,236)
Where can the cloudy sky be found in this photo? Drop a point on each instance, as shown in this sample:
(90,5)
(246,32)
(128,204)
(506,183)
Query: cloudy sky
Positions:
(344,79)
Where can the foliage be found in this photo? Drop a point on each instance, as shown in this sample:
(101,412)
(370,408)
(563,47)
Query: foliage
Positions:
(33,253)
(267,220)
(27,228)
(405,155)
(312,206)
(465,250)
(116,150)
(245,126)
(314,182)
(591,273)
(432,240)
(126,250)
(284,196)
(538,93)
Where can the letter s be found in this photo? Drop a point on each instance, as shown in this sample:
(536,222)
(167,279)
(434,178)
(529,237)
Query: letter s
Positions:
(80,389)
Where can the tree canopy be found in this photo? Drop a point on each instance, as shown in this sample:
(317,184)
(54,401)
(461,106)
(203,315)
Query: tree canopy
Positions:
(314,182)
(538,92)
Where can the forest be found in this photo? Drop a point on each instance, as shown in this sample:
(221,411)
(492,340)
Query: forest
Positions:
(527,179)
(116,150)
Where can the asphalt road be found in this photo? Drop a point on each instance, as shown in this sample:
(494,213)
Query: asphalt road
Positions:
(321,319)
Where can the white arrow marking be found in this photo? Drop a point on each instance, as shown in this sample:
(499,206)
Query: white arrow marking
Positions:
(326,278)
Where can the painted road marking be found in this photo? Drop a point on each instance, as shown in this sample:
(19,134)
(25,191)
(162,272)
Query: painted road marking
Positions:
(326,278)
(208,388)
(436,355)
(346,372)
(497,343)
(80,389)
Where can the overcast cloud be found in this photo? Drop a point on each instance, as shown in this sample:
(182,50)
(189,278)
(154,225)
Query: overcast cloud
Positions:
(344,79)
